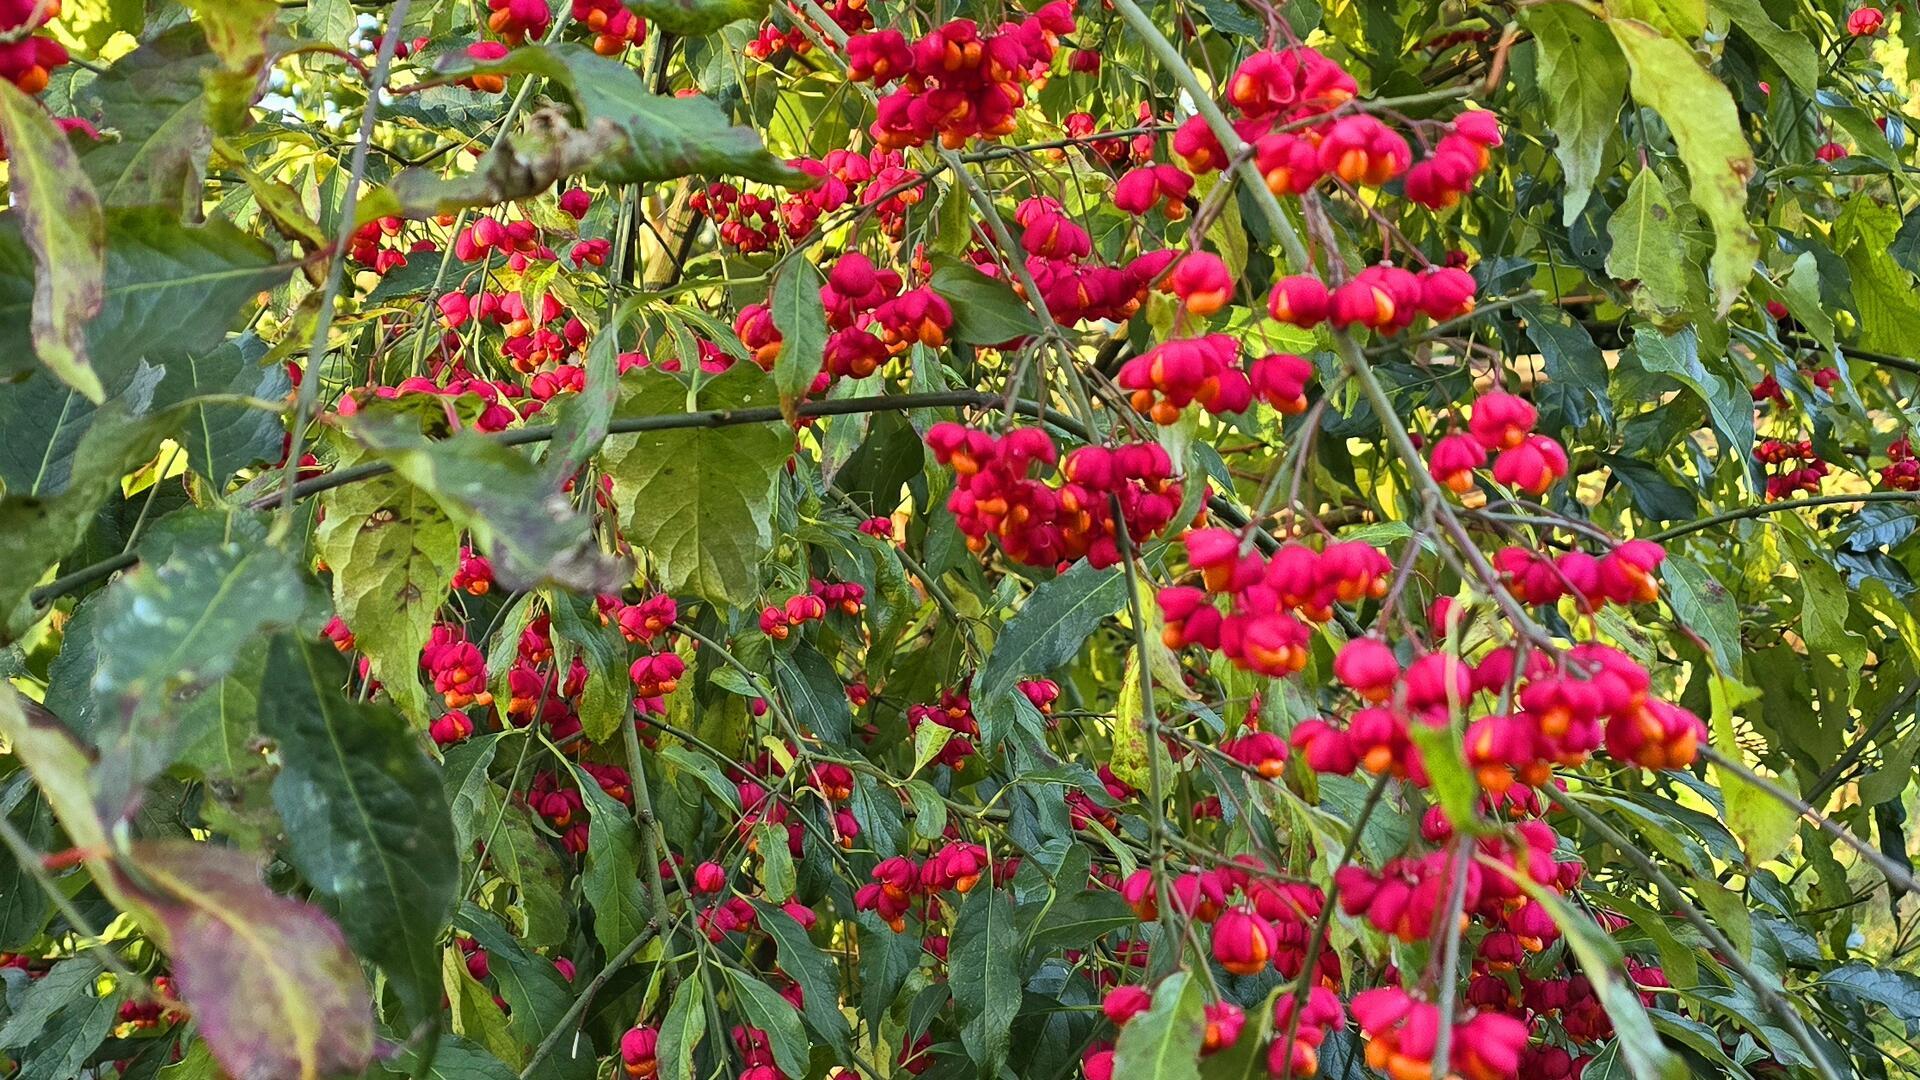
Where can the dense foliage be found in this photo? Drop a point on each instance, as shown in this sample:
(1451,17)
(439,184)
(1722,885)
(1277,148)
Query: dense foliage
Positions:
(690,538)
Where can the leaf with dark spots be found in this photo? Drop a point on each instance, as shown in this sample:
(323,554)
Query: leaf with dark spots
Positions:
(699,501)
(393,552)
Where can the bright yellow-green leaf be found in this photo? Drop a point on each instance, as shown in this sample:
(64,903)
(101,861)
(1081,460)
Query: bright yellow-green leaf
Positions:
(1763,824)
(1667,77)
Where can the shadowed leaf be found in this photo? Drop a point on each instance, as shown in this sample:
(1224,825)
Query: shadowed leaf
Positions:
(366,820)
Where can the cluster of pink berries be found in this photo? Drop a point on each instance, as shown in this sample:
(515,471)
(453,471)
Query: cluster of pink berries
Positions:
(1501,424)
(1799,467)
(956,82)
(1206,371)
(1622,576)
(996,500)
(900,887)
(821,598)
(1075,286)
(28,58)
(1263,631)
(1382,298)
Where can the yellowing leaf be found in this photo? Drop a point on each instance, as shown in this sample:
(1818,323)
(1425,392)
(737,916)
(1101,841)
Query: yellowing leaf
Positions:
(1666,77)
(65,228)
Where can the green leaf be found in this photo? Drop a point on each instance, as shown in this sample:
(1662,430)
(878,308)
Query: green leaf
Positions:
(1890,988)
(454,1058)
(1130,760)
(1677,19)
(1825,602)
(929,812)
(1163,1043)
(1666,77)
(166,632)
(818,976)
(60,216)
(464,781)
(606,701)
(35,533)
(1895,771)
(664,137)
(1802,292)
(24,907)
(472,1012)
(1583,77)
(1905,249)
(707,772)
(1444,756)
(527,527)
(273,989)
(1646,1057)
(1076,922)
(777,861)
(699,502)
(764,1008)
(886,959)
(1764,824)
(611,878)
(692,18)
(1703,605)
(1649,254)
(1576,387)
(1798,59)
(542,915)
(536,994)
(985,975)
(33,1008)
(813,693)
(223,439)
(1046,632)
(928,741)
(802,321)
(59,1022)
(1883,292)
(985,310)
(393,553)
(582,426)
(155,98)
(1728,404)
(681,1032)
(366,820)
(44,419)
(1654,496)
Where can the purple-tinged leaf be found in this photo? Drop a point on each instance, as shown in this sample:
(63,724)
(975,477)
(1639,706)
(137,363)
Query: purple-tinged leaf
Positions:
(272,986)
